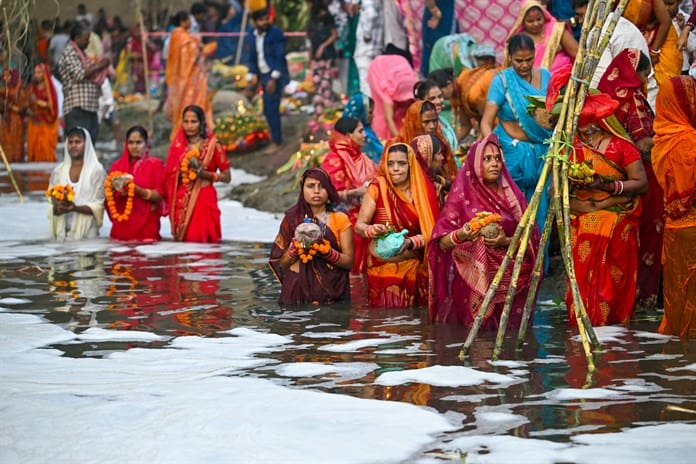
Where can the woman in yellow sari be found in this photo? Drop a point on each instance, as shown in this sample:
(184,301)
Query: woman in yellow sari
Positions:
(403,198)
(42,116)
(674,162)
(186,77)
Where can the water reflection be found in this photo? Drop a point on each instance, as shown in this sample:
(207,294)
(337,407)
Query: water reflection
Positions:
(179,289)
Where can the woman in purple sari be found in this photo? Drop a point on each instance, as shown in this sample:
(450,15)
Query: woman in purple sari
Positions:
(462,260)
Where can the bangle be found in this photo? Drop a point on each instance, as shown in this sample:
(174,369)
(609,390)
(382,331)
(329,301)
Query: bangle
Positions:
(418,241)
(655,52)
(333,256)
(453,237)
(621,187)
(148,195)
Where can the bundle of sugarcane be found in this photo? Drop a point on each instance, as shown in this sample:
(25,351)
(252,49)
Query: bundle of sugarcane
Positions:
(593,40)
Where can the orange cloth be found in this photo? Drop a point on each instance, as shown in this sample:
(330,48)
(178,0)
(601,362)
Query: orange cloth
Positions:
(187,80)
(11,117)
(42,123)
(473,90)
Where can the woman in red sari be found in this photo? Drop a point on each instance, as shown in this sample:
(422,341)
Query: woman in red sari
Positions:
(674,160)
(483,184)
(42,112)
(324,278)
(401,197)
(626,82)
(191,197)
(605,218)
(143,222)
(351,171)
(11,115)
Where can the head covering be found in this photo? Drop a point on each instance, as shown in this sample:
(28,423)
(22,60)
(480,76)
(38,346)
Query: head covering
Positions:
(424,149)
(621,78)
(674,153)
(357,107)
(90,165)
(483,50)
(48,92)
(597,107)
(358,167)
(545,52)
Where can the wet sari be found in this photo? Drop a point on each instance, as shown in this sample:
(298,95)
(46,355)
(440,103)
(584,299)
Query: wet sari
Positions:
(460,277)
(404,283)
(622,83)
(11,115)
(674,161)
(194,213)
(42,123)
(143,224)
(316,281)
(350,169)
(605,241)
(357,107)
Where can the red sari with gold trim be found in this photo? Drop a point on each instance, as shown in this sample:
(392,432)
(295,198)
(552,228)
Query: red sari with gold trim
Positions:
(193,208)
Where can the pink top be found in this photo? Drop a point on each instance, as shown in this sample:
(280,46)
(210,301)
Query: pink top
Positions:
(391,79)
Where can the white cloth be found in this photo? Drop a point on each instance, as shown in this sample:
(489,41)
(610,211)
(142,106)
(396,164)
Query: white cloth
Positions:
(89,192)
(260,55)
(690,43)
(369,39)
(626,35)
(394,25)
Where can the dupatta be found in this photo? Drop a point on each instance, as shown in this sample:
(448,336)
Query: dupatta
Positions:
(358,168)
(546,51)
(357,107)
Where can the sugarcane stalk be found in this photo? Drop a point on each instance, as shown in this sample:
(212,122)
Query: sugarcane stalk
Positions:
(143,34)
(10,175)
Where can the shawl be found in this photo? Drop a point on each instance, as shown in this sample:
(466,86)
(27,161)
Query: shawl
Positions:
(468,196)
(674,153)
(318,279)
(358,168)
(147,172)
(177,150)
(46,92)
(621,82)
(89,191)
(97,78)
(357,107)
(546,51)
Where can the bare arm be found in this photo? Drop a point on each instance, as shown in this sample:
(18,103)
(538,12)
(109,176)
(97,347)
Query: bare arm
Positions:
(569,44)
(389,117)
(347,250)
(490,112)
(665,22)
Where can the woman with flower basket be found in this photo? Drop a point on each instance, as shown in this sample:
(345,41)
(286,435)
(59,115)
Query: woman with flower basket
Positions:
(76,190)
(470,239)
(134,190)
(195,161)
(313,252)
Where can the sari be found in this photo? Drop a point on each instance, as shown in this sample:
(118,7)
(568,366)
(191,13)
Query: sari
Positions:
(143,224)
(548,53)
(89,191)
(350,169)
(316,281)
(193,208)
(472,89)
(674,161)
(524,159)
(404,283)
(11,115)
(460,277)
(605,241)
(453,51)
(425,151)
(187,80)
(42,123)
(622,83)
(640,13)
(413,127)
(357,107)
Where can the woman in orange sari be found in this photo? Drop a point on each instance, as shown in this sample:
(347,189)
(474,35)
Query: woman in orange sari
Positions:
(195,161)
(11,115)
(605,217)
(42,122)
(674,161)
(187,80)
(625,80)
(401,197)
(143,221)
(351,171)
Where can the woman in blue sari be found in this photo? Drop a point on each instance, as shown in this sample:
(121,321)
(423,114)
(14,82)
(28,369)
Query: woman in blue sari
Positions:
(522,139)
(361,106)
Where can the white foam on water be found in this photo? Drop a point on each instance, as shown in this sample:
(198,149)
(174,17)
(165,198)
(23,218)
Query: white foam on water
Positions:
(96,334)
(345,371)
(567,394)
(357,345)
(444,376)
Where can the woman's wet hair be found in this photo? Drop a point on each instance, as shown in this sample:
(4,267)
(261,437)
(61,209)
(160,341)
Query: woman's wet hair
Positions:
(421,88)
(443,77)
(139,129)
(180,17)
(198,111)
(437,145)
(520,42)
(428,106)
(78,131)
(400,147)
(643,63)
(345,125)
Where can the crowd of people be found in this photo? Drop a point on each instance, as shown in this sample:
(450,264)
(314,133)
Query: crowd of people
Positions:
(429,172)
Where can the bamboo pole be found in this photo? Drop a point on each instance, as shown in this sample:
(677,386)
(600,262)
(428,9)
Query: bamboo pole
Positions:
(143,35)
(10,175)
(242,33)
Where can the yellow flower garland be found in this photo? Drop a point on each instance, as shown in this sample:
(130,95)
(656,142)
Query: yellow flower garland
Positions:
(111,203)
(61,193)
(187,174)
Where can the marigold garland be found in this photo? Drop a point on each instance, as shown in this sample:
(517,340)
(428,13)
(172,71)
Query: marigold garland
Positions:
(189,175)
(61,193)
(307,253)
(483,219)
(111,203)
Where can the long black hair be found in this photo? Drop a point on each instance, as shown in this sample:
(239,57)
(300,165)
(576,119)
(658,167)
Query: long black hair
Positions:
(198,111)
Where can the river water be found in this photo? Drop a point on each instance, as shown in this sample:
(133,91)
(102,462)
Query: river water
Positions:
(541,392)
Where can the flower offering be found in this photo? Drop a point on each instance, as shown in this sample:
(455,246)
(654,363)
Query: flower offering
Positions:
(487,223)
(120,182)
(190,165)
(61,193)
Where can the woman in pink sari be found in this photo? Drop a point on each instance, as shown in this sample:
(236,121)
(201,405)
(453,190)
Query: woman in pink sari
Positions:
(462,261)
(554,44)
(143,222)
(191,197)
(351,171)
